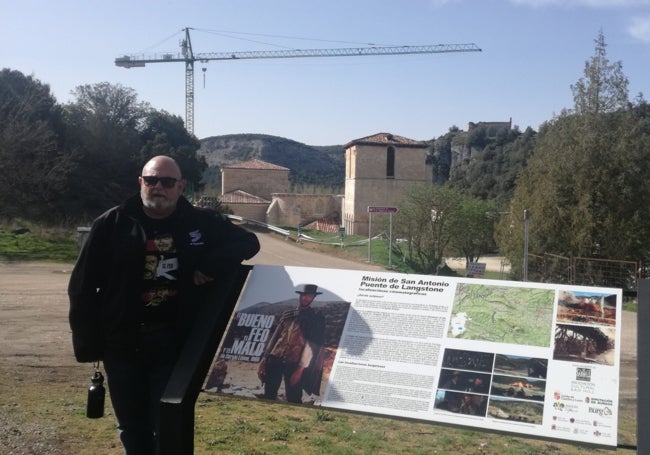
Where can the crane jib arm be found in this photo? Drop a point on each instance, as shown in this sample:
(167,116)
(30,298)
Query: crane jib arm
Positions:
(132,61)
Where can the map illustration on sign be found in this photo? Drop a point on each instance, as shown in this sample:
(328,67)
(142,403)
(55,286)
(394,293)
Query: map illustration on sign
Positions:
(503,314)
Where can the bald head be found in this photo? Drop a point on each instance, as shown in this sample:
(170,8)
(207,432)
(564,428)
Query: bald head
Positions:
(165,164)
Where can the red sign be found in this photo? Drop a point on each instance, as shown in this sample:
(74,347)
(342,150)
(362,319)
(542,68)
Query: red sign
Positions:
(380,209)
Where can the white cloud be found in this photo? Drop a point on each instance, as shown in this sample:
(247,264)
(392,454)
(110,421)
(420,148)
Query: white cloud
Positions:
(640,28)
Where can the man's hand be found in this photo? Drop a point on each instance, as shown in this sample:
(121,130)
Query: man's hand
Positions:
(201,278)
(261,371)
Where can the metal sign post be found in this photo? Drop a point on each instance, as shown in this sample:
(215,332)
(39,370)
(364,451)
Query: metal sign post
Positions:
(381,209)
(526,218)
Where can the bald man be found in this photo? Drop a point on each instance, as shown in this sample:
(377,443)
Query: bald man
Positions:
(145,268)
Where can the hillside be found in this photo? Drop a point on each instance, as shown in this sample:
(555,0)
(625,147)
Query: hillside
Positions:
(484,161)
(311,166)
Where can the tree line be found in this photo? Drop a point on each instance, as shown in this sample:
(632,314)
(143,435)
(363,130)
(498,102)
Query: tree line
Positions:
(582,177)
(583,180)
(70,162)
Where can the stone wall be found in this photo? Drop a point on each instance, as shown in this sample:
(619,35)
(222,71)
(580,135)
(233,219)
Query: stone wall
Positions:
(290,210)
(256,212)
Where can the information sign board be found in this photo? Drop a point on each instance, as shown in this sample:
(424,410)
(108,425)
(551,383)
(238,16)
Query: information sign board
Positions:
(476,268)
(527,358)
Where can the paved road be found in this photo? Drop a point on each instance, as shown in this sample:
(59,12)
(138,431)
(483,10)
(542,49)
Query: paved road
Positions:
(278,251)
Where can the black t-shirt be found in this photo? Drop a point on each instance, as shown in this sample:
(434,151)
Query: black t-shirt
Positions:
(159,297)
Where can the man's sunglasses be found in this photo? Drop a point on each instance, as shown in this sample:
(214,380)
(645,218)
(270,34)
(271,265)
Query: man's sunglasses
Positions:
(167,182)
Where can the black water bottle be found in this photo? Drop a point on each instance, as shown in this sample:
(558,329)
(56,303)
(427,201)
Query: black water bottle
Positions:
(96,395)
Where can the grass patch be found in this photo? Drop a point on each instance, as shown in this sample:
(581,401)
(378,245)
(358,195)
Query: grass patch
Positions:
(28,242)
(299,430)
(356,247)
(630,305)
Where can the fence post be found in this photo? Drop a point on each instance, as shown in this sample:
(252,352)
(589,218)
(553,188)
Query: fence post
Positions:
(82,236)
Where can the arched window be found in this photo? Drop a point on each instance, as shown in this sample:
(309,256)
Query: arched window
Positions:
(390,163)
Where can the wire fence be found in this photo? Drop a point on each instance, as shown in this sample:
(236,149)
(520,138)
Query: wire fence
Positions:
(551,268)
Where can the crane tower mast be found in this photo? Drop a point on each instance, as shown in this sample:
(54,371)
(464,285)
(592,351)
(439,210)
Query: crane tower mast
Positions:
(188,57)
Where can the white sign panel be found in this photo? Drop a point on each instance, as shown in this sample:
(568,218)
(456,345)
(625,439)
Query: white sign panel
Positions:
(528,358)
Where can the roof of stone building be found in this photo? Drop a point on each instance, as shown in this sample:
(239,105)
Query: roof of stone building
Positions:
(242,197)
(255,164)
(387,139)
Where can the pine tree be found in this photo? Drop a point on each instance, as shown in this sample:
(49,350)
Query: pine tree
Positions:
(604,87)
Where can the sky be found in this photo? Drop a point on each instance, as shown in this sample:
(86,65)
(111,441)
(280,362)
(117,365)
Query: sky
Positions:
(532,52)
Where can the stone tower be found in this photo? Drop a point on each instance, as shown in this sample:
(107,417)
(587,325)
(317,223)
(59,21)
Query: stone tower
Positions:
(378,169)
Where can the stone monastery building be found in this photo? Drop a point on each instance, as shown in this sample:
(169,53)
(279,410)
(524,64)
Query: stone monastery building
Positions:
(378,169)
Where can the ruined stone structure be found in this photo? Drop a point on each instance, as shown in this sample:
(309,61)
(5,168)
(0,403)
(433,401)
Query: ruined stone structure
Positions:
(378,169)
(507,125)
(293,209)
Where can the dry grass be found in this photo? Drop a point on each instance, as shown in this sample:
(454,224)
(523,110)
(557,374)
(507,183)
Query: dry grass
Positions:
(43,412)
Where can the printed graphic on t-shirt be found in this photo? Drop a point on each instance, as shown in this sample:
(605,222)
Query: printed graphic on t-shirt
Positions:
(157,296)
(160,271)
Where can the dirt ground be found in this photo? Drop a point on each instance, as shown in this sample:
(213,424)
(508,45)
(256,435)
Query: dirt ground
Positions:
(35,347)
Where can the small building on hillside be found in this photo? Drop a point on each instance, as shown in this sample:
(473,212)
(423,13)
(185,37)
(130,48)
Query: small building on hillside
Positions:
(255,177)
(494,125)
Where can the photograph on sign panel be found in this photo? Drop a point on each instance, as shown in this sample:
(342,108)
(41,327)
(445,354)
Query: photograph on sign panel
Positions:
(466,381)
(518,387)
(585,344)
(586,307)
(461,403)
(516,410)
(521,366)
(467,360)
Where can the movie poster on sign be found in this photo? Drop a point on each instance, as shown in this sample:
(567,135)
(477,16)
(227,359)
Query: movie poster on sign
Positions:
(268,304)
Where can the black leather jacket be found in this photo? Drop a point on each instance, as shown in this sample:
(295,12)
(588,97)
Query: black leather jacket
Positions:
(106,281)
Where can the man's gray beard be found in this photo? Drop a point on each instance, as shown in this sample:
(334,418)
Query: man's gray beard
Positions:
(158,204)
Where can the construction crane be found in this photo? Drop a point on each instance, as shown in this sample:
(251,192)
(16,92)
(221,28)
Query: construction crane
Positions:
(188,57)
